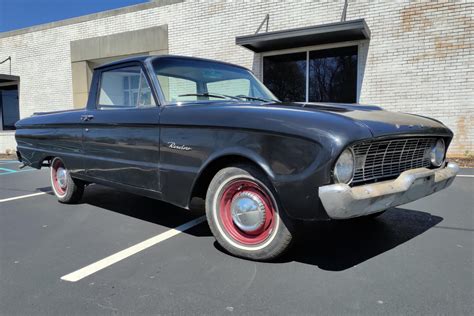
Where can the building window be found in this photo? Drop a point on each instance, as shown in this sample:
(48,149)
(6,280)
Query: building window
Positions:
(327,75)
(9,109)
(285,76)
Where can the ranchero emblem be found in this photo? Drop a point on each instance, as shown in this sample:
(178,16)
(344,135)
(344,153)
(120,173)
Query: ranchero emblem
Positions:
(173,145)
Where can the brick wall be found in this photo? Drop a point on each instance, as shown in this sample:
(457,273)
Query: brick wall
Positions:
(420,56)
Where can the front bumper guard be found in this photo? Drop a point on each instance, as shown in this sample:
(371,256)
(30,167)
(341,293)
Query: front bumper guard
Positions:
(342,201)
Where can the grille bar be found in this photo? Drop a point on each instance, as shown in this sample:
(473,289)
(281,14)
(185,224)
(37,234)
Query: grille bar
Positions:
(388,158)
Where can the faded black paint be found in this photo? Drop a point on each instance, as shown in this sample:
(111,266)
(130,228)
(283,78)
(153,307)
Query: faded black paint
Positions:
(295,144)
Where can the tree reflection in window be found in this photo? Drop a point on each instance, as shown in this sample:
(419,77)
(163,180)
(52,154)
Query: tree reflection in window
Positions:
(285,76)
(333,75)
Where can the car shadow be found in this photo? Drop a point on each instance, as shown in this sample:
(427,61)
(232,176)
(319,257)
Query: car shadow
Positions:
(329,245)
(340,245)
(142,208)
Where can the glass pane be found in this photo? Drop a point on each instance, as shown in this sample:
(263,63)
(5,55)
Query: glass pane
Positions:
(9,106)
(126,83)
(116,87)
(230,87)
(333,75)
(178,76)
(134,98)
(135,80)
(174,87)
(285,76)
(146,99)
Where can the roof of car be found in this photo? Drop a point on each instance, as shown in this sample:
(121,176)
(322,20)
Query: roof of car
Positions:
(143,58)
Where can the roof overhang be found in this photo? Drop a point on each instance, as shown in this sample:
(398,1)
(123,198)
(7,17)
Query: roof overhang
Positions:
(8,79)
(306,36)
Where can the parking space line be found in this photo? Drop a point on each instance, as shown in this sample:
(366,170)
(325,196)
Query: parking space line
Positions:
(465,175)
(5,162)
(23,196)
(5,171)
(110,260)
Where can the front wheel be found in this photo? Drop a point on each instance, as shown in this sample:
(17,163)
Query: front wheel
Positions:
(244,215)
(66,189)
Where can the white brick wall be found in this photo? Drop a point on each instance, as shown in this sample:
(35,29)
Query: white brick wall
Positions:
(7,142)
(420,56)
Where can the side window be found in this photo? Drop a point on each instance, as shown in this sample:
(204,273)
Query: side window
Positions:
(145,98)
(124,87)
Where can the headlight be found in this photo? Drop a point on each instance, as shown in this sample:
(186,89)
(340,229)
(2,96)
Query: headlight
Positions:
(437,153)
(344,168)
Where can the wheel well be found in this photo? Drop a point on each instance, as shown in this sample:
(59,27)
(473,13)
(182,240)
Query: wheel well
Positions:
(205,178)
(47,161)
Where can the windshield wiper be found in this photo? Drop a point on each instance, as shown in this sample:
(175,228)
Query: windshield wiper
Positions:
(209,95)
(241,96)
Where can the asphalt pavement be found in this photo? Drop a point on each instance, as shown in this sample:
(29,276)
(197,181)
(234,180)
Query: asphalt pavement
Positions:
(132,255)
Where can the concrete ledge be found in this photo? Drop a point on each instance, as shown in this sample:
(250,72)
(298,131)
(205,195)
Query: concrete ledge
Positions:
(120,44)
(89,17)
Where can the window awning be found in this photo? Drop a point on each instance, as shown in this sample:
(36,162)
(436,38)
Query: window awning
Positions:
(4,79)
(306,36)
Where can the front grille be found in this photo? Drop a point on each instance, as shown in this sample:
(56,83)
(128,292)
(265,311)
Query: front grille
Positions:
(382,160)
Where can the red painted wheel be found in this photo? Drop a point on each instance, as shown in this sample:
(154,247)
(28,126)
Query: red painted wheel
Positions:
(244,215)
(66,189)
(247,212)
(59,176)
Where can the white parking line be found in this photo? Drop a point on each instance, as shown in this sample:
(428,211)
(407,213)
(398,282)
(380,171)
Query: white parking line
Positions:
(465,175)
(23,196)
(110,260)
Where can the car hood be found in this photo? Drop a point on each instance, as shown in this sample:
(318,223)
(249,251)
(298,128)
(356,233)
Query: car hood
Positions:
(378,121)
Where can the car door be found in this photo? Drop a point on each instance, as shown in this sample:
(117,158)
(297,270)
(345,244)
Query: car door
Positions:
(121,134)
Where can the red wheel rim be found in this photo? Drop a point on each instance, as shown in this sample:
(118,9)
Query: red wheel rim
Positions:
(58,165)
(264,230)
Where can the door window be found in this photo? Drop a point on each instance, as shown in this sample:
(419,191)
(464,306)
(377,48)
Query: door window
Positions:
(125,87)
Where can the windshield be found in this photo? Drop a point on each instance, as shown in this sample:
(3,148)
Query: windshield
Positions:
(184,80)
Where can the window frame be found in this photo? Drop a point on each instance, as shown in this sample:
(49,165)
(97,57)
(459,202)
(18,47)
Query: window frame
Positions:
(307,49)
(143,69)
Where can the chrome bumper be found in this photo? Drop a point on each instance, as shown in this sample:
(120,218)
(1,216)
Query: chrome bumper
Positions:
(341,201)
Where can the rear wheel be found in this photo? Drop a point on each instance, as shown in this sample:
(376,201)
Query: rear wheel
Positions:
(66,189)
(244,215)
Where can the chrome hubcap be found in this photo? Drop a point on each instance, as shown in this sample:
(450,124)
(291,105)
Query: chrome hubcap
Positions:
(248,211)
(61,176)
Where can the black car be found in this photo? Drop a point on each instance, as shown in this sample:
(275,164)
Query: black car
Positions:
(173,128)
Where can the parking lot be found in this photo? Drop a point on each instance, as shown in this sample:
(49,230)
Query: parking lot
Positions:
(116,253)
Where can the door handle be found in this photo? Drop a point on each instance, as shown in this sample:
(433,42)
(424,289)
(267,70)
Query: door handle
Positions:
(86,118)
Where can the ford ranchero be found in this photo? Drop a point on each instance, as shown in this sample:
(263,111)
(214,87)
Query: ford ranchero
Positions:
(173,128)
